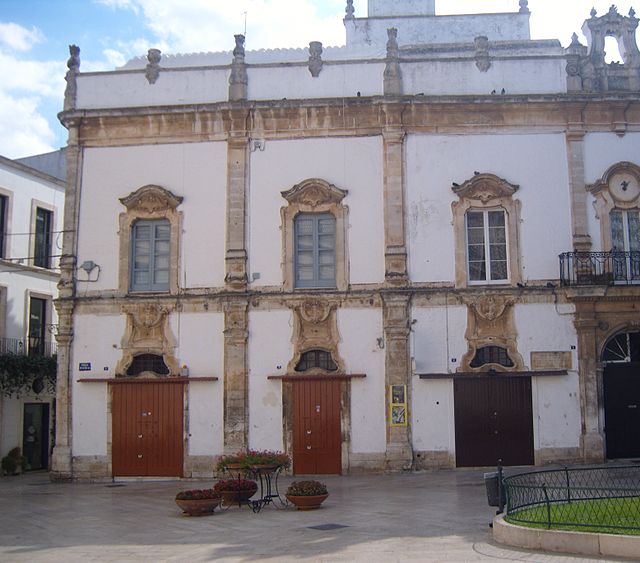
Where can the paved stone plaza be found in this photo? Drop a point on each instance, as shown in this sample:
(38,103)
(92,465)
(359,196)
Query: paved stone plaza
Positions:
(432,516)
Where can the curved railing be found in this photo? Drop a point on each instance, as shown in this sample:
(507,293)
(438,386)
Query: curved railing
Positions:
(601,497)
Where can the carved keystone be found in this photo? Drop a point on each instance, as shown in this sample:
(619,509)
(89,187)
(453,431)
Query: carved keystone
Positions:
(483,61)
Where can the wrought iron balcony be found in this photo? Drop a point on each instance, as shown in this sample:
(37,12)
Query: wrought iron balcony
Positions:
(600,268)
(31,346)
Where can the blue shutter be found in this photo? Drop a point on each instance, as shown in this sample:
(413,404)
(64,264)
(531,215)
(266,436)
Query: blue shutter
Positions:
(315,250)
(150,255)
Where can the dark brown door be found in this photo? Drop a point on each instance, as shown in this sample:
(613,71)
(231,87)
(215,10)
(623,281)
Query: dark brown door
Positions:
(494,420)
(147,429)
(317,438)
(622,409)
(35,435)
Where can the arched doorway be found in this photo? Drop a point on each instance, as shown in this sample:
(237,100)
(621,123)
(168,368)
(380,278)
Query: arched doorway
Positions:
(621,386)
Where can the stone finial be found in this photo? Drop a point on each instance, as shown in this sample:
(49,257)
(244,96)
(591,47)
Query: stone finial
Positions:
(613,9)
(632,12)
(153,66)
(483,61)
(315,58)
(393,50)
(73,64)
(574,52)
(392,73)
(238,79)
(593,13)
(524,7)
(349,10)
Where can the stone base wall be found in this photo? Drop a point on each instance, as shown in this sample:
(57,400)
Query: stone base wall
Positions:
(91,468)
(547,456)
(363,463)
(433,460)
(200,466)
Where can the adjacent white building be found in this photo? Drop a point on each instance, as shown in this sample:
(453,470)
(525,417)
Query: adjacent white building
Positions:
(417,250)
(31,210)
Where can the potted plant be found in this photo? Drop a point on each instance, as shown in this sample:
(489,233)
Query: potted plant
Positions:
(14,462)
(235,490)
(198,502)
(266,459)
(232,462)
(307,495)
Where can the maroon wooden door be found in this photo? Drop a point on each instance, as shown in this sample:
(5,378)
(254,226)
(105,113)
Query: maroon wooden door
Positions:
(317,437)
(147,429)
(494,420)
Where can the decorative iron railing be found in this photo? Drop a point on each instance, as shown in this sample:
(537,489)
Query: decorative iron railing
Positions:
(31,346)
(600,497)
(600,268)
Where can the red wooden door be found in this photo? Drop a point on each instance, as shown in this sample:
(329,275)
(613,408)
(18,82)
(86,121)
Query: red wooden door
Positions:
(147,429)
(317,436)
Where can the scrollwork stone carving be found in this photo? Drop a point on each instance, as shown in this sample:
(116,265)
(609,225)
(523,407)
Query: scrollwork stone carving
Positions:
(153,67)
(315,58)
(71,90)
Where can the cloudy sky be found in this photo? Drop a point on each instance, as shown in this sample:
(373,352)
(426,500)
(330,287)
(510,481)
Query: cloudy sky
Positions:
(35,34)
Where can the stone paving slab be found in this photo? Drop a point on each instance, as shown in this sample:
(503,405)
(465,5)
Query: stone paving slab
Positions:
(429,516)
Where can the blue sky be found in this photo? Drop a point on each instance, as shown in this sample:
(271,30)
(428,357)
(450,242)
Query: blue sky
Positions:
(35,34)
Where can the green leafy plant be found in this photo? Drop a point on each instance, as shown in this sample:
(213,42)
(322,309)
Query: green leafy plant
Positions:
(232,459)
(235,485)
(198,494)
(13,461)
(307,489)
(19,374)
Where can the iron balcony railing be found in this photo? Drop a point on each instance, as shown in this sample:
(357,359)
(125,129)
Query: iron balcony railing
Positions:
(31,346)
(600,268)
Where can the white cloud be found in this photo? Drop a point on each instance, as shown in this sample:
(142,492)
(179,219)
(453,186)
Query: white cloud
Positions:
(19,38)
(23,130)
(119,4)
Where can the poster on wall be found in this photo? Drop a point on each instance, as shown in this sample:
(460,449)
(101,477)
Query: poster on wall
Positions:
(397,405)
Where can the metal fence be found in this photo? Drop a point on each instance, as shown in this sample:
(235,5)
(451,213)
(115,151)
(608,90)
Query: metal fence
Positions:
(600,268)
(31,346)
(602,497)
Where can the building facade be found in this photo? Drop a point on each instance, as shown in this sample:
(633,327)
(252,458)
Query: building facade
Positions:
(352,254)
(31,204)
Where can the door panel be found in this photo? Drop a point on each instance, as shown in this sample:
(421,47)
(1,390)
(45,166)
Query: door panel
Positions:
(493,420)
(147,434)
(35,435)
(317,437)
(622,409)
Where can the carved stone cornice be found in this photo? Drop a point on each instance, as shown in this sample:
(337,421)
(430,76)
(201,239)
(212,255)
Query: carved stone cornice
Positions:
(485,187)
(314,192)
(151,199)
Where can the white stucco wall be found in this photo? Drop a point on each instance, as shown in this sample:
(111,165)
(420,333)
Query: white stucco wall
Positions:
(434,162)
(462,77)
(556,400)
(270,350)
(437,338)
(132,89)
(351,164)
(601,151)
(200,347)
(359,330)
(194,171)
(89,415)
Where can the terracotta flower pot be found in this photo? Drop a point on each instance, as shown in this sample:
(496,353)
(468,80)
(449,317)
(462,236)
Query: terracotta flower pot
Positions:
(307,502)
(198,507)
(234,497)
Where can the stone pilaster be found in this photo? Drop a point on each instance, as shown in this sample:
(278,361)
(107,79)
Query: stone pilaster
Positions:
(394,216)
(236,253)
(399,451)
(591,439)
(575,156)
(236,399)
(61,461)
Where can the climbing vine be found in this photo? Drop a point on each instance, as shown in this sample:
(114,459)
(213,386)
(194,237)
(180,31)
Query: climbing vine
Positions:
(21,374)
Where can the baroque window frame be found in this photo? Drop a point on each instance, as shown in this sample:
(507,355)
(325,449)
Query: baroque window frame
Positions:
(314,196)
(609,196)
(149,202)
(486,192)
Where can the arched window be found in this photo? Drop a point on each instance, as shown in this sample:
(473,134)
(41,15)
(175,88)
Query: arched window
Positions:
(147,362)
(622,348)
(316,359)
(491,355)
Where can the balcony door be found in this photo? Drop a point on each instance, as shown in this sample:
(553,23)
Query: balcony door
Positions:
(37,326)
(625,243)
